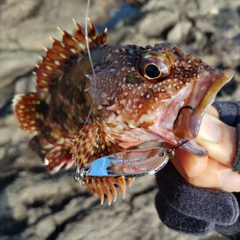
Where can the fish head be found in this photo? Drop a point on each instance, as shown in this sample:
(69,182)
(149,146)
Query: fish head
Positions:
(153,93)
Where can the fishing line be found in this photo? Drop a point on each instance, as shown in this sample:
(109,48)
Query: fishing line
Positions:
(89,56)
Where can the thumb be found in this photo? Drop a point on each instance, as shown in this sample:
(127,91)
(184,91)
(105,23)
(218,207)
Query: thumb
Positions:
(219,139)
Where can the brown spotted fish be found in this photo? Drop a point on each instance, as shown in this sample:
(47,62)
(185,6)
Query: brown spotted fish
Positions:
(134,95)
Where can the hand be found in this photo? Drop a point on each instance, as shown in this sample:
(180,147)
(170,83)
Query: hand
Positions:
(199,209)
(213,170)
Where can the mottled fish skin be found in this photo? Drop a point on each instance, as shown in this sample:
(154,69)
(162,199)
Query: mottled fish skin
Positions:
(135,95)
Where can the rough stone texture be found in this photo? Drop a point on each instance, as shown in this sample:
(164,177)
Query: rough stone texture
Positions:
(36,205)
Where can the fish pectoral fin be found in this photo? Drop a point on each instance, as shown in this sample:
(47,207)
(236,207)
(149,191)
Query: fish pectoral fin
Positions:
(89,144)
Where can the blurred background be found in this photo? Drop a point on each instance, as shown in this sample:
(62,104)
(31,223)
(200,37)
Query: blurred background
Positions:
(37,205)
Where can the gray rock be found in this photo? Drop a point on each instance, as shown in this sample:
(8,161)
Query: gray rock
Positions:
(155,23)
(6,95)
(180,32)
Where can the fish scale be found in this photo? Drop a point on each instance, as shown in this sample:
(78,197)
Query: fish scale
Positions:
(134,95)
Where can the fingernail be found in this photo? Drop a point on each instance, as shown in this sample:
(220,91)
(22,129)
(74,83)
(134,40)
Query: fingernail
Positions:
(210,129)
(230,182)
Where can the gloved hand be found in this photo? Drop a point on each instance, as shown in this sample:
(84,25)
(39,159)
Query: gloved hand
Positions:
(195,210)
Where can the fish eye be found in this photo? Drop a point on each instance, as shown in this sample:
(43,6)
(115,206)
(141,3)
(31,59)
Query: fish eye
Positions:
(152,71)
(154,68)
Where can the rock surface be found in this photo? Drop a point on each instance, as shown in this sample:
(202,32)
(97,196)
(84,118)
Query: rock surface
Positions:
(36,205)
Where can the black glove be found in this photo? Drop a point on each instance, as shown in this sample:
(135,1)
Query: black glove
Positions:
(194,210)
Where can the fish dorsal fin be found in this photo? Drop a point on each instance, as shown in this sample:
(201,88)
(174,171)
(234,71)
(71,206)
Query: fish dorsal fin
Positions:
(63,53)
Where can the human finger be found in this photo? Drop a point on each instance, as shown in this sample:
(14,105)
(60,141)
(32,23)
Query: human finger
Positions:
(189,165)
(219,139)
(218,176)
(206,172)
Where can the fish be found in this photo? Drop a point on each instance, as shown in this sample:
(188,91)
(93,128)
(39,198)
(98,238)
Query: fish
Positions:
(125,95)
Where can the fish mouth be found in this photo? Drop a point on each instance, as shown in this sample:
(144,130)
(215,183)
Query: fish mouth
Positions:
(187,124)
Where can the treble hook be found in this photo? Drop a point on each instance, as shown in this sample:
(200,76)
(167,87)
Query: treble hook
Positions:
(170,152)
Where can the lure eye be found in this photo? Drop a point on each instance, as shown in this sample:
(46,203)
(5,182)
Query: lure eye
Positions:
(152,71)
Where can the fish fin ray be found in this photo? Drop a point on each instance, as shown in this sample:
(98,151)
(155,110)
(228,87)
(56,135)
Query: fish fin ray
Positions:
(53,157)
(89,144)
(62,53)
(26,111)
(58,157)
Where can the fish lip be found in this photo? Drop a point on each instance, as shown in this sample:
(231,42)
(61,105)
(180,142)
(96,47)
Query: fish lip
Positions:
(196,118)
(204,90)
